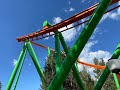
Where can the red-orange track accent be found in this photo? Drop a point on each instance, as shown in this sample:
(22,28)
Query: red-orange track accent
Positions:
(64,23)
(80,62)
(91,65)
(45,47)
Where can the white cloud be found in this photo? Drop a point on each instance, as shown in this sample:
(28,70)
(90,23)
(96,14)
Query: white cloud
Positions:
(100,54)
(118,11)
(46,38)
(57,20)
(94,33)
(87,1)
(81,26)
(14,62)
(65,10)
(87,55)
(112,15)
(70,9)
(119,3)
(87,49)
(105,17)
(116,15)
(68,35)
(82,20)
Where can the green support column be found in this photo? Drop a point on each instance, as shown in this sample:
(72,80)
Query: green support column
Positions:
(48,51)
(8,87)
(20,69)
(57,54)
(116,81)
(77,65)
(78,46)
(57,51)
(36,62)
(75,69)
(106,72)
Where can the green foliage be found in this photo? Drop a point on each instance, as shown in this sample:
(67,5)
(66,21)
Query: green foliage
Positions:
(88,81)
(109,84)
(0,85)
(98,72)
(70,82)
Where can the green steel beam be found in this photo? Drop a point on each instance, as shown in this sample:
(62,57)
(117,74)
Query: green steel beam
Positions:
(77,65)
(20,69)
(78,46)
(116,81)
(36,62)
(116,53)
(57,51)
(57,54)
(49,52)
(8,87)
(106,72)
(75,69)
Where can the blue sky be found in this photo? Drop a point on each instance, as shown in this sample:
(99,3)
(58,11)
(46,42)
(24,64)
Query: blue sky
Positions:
(22,17)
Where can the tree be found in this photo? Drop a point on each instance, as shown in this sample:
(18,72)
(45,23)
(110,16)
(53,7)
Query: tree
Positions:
(109,84)
(0,85)
(70,82)
(88,81)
